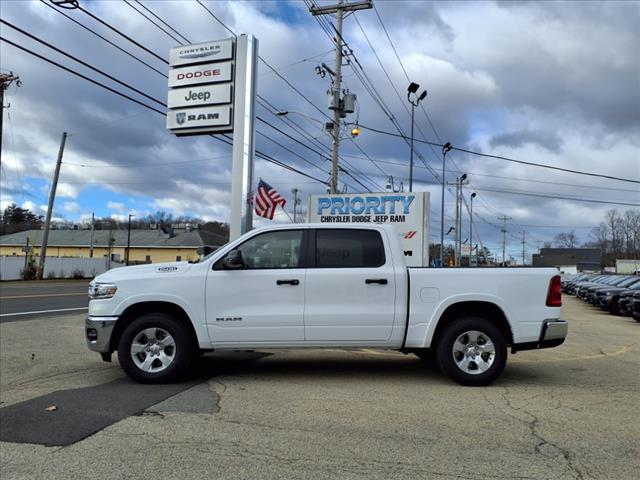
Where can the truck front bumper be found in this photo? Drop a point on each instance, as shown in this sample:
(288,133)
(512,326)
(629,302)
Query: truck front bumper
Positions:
(98,332)
(553,333)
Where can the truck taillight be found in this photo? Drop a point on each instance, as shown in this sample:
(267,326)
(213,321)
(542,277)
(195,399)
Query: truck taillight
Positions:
(554,295)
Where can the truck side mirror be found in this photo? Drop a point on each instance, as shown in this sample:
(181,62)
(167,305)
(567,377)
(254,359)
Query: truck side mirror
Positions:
(233,260)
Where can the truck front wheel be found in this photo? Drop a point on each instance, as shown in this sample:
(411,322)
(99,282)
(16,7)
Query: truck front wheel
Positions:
(471,351)
(155,348)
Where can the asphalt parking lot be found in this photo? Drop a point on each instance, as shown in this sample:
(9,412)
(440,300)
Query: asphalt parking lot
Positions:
(569,412)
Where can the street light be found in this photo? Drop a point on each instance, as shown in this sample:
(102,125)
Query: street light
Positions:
(473,195)
(129,237)
(413,88)
(445,148)
(284,113)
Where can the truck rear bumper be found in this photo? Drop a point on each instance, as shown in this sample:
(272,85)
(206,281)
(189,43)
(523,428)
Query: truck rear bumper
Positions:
(98,332)
(553,333)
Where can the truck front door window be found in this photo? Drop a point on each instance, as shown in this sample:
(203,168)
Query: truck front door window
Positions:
(280,249)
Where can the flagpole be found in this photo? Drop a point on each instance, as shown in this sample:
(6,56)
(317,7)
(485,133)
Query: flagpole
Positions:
(287,214)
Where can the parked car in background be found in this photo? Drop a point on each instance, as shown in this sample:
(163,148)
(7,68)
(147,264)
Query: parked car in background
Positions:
(583,287)
(620,283)
(569,280)
(572,285)
(608,298)
(635,306)
(625,302)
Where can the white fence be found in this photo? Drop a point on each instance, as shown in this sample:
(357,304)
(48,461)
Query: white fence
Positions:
(10,267)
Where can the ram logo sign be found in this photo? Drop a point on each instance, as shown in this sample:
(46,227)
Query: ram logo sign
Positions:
(408,212)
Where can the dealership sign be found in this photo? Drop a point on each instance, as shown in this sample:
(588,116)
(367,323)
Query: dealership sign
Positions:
(407,212)
(202,52)
(200,75)
(215,94)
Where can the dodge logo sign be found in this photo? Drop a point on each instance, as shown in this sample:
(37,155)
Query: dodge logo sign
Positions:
(180,116)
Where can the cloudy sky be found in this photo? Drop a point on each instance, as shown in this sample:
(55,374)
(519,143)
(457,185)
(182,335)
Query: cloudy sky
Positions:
(555,83)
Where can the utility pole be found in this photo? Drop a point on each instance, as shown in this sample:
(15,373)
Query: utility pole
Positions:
(339,9)
(445,148)
(504,219)
(52,198)
(5,81)
(523,249)
(128,238)
(296,201)
(459,183)
(93,220)
(473,195)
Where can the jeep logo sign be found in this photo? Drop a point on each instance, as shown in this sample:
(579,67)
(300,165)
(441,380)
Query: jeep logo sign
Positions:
(197,96)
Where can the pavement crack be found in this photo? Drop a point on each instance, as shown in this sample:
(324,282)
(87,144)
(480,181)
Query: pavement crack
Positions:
(219,394)
(532,423)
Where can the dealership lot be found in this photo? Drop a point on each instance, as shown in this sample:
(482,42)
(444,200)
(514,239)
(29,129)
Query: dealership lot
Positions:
(568,412)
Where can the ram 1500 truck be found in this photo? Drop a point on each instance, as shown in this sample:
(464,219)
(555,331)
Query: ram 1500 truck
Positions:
(318,285)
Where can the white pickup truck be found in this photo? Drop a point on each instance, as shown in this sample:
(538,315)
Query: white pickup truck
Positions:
(316,285)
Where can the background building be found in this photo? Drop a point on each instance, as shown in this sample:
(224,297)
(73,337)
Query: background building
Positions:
(583,258)
(146,246)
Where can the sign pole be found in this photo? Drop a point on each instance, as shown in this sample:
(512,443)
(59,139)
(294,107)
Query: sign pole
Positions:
(243,136)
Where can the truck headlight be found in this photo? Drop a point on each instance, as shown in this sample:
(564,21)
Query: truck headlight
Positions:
(102,290)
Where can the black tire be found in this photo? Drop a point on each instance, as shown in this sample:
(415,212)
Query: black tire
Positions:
(181,353)
(474,377)
(614,309)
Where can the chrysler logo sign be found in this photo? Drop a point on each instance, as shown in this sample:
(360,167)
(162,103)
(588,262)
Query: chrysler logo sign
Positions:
(201,52)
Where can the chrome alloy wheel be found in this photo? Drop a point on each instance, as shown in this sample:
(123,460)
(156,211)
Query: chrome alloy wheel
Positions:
(153,350)
(473,352)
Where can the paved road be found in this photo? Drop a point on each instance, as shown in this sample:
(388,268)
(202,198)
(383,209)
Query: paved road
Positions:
(19,299)
(564,413)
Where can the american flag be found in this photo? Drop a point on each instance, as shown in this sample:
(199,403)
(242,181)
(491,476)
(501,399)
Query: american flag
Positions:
(267,200)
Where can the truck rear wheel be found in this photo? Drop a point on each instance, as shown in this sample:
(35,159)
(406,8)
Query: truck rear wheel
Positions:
(471,351)
(155,348)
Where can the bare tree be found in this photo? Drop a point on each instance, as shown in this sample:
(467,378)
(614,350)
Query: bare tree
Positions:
(631,232)
(566,239)
(615,224)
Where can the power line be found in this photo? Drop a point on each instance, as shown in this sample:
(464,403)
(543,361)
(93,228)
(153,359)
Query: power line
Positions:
(258,153)
(105,39)
(144,48)
(499,157)
(515,178)
(163,60)
(81,62)
(149,19)
(95,82)
(161,20)
(558,197)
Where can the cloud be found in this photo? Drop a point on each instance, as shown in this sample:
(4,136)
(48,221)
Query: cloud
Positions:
(539,81)
(71,207)
(117,206)
(548,140)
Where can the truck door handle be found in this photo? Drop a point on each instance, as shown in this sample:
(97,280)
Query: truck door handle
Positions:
(288,282)
(381,281)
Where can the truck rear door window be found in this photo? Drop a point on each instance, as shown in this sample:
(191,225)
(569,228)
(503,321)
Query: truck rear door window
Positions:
(336,248)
